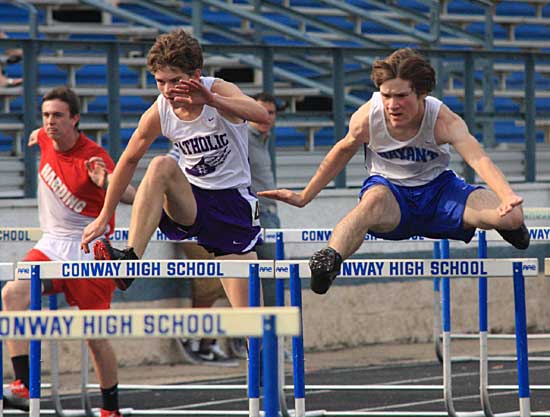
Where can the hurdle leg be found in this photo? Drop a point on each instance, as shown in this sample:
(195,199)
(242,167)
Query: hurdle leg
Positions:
(447,366)
(446,343)
(85,379)
(35,346)
(269,363)
(254,346)
(298,345)
(54,359)
(521,341)
(437,308)
(483,329)
(280,302)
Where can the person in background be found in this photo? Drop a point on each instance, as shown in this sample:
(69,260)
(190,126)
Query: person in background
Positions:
(73,176)
(12,56)
(263,178)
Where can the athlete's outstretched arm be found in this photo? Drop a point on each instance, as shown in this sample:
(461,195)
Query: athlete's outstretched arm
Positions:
(147,131)
(451,128)
(332,164)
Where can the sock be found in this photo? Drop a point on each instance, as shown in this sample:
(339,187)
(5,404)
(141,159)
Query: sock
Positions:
(110,398)
(21,368)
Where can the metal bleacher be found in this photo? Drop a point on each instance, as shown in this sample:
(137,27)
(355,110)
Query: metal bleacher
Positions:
(305,83)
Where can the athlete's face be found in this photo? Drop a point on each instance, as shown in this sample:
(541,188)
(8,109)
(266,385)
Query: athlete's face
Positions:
(402,106)
(167,78)
(58,122)
(272,112)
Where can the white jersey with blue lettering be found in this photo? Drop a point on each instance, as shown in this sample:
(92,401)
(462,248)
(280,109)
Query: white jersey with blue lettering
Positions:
(214,151)
(410,163)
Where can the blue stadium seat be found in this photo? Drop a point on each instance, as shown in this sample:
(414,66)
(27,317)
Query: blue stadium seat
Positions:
(510,8)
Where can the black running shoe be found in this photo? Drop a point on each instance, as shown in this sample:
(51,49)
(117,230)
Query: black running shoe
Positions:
(518,238)
(324,265)
(103,251)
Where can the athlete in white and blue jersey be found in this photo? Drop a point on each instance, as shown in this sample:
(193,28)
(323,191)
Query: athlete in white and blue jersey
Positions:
(406,135)
(206,194)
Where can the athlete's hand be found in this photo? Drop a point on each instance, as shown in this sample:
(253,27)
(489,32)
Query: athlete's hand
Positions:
(191,91)
(507,204)
(94,230)
(97,171)
(33,138)
(286,196)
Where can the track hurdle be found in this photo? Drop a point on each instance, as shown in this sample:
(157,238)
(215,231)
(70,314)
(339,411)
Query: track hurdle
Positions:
(423,268)
(31,234)
(538,234)
(221,322)
(164,269)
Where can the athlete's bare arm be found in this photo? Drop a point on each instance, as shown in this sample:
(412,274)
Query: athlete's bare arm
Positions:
(97,171)
(451,128)
(147,131)
(332,164)
(235,106)
(226,97)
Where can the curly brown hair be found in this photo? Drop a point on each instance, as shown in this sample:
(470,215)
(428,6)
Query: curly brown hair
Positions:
(408,65)
(176,49)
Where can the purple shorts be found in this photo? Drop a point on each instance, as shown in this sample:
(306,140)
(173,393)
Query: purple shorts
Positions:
(227,221)
(434,210)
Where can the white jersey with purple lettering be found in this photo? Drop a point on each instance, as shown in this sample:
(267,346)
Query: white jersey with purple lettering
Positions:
(410,163)
(214,151)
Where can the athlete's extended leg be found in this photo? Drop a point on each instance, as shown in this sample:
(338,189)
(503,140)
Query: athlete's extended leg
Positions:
(378,211)
(16,297)
(236,289)
(481,212)
(164,184)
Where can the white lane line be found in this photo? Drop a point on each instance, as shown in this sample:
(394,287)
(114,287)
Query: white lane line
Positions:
(439,400)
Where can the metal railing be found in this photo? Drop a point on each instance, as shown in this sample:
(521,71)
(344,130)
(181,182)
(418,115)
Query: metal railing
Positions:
(336,56)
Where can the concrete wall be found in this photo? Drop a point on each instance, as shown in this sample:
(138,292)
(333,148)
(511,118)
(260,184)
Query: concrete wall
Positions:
(352,313)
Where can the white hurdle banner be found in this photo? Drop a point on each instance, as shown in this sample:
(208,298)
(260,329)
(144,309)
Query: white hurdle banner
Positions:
(418,268)
(33,234)
(371,268)
(145,323)
(323,236)
(313,235)
(145,269)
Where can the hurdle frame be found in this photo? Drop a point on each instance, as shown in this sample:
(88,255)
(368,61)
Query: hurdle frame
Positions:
(523,382)
(269,327)
(283,290)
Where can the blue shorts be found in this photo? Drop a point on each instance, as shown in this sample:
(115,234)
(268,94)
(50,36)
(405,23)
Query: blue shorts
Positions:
(227,221)
(434,210)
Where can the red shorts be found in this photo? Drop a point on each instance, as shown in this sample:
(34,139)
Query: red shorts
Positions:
(87,294)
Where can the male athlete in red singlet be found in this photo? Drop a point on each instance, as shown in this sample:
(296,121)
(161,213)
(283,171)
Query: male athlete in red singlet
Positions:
(72,179)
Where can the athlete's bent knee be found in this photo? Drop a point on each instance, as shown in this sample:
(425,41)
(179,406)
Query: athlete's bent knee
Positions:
(162,166)
(13,298)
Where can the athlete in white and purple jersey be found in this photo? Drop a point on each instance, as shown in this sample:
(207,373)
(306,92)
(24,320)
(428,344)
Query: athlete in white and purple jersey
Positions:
(406,136)
(206,194)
